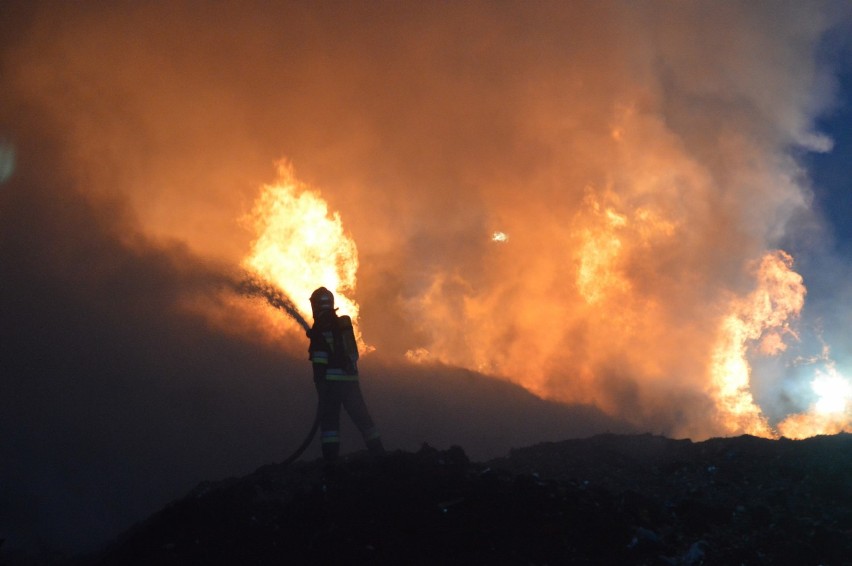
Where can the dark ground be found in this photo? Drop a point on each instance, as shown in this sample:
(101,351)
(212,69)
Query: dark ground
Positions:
(609,499)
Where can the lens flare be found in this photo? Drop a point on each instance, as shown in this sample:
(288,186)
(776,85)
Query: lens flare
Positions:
(301,246)
(833,390)
(831,413)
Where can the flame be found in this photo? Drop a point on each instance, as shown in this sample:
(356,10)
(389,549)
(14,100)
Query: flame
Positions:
(300,246)
(830,413)
(761,318)
(759,323)
(806,425)
(601,247)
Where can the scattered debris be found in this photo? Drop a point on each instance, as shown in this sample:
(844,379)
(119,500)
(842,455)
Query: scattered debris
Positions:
(609,499)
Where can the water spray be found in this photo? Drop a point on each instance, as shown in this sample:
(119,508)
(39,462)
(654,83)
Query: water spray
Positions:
(254,286)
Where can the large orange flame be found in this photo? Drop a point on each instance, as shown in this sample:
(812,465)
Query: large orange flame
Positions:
(760,318)
(760,322)
(300,246)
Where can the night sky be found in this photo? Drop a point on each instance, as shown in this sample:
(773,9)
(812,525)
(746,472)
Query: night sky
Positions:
(642,158)
(830,171)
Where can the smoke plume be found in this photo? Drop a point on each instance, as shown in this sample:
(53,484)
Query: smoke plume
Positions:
(640,162)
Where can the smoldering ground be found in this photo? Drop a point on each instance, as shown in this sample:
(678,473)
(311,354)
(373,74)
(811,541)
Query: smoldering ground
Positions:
(637,156)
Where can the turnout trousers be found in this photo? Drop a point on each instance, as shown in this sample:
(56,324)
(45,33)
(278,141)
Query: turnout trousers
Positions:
(346,394)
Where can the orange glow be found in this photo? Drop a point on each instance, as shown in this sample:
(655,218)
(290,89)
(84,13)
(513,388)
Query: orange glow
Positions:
(829,414)
(300,246)
(760,323)
(575,217)
(806,425)
(599,253)
(760,318)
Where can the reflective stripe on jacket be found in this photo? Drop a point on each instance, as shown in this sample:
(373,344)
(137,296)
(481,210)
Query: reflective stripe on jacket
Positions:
(321,353)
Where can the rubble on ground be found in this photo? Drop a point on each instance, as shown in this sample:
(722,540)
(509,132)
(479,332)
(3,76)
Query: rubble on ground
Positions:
(608,499)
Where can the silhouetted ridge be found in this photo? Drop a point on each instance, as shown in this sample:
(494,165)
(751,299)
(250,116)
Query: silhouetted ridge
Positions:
(608,499)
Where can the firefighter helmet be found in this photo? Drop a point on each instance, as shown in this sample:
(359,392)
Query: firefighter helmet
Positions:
(322,300)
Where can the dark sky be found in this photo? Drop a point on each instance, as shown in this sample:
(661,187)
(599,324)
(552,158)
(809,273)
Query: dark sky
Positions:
(830,171)
(644,160)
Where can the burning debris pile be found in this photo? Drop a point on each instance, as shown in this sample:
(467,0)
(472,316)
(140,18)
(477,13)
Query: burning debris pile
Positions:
(609,499)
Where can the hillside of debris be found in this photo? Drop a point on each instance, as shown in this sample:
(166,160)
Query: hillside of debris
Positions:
(608,499)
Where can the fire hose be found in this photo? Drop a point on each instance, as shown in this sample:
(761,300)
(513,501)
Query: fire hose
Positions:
(295,455)
(253,287)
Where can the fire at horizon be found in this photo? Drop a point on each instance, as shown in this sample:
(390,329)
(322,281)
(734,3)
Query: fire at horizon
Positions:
(300,244)
(607,203)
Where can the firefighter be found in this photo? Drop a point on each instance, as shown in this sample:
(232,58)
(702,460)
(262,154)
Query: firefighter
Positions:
(334,355)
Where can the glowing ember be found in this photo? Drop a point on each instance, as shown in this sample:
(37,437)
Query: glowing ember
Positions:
(499,237)
(299,246)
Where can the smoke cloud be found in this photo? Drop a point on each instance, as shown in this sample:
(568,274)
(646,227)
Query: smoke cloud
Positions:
(640,159)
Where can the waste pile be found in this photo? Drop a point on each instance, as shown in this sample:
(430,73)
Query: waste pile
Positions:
(608,499)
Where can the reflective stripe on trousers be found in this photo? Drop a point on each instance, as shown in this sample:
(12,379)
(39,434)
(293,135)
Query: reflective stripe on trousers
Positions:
(330,436)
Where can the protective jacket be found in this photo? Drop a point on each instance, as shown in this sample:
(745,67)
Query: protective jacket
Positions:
(333,349)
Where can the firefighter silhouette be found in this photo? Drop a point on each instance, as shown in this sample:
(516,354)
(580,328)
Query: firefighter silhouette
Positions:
(334,355)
